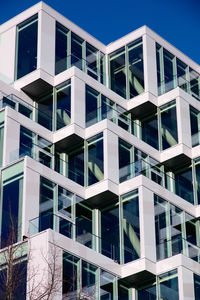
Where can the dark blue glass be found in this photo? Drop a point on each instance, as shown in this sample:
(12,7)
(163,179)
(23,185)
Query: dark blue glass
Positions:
(61,48)
(27,47)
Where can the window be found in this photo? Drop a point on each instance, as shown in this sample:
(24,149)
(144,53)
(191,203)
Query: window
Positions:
(197,287)
(126,70)
(12,197)
(95,159)
(26,47)
(62,48)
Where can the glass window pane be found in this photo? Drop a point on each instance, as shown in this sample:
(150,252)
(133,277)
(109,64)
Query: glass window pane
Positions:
(45,110)
(148,292)
(135,68)
(77,51)
(102,68)
(107,286)
(194,123)
(92,61)
(75,165)
(182,74)
(65,202)
(12,197)
(95,164)
(47,195)
(26,143)
(62,48)
(169,125)
(89,281)
(63,105)
(149,128)
(168,284)
(92,106)
(84,223)
(160,75)
(169,70)
(194,83)
(162,228)
(118,72)
(71,277)
(197,287)
(177,229)
(123,292)
(27,46)
(184,184)
(130,227)
(110,232)
(125,160)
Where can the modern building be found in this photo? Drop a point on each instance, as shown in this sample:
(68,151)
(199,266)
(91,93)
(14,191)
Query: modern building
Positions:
(100,161)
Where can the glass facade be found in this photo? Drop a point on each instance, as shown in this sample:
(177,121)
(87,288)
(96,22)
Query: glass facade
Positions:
(172,72)
(54,108)
(197,287)
(126,72)
(71,50)
(11,204)
(176,231)
(26,47)
(164,287)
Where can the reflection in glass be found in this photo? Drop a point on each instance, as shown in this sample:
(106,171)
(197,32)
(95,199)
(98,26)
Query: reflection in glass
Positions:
(62,48)
(89,280)
(149,127)
(184,184)
(107,286)
(95,163)
(75,165)
(195,126)
(169,125)
(92,106)
(130,227)
(65,202)
(84,223)
(45,110)
(63,105)
(135,68)
(47,195)
(118,72)
(168,286)
(71,276)
(110,232)
(26,54)
(125,160)
(197,287)
(77,51)
(169,70)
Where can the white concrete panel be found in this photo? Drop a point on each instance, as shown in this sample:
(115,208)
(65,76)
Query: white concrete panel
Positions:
(183,122)
(78,101)
(149,56)
(186,284)
(147,224)
(111,157)
(46,55)
(7,54)
(11,146)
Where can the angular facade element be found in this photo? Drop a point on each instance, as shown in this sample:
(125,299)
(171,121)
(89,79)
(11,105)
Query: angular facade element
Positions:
(100,163)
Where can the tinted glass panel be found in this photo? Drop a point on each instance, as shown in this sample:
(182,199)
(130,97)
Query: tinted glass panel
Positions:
(27,47)
(63,105)
(118,72)
(61,48)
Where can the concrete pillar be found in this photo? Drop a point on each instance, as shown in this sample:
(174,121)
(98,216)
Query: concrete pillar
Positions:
(77,101)
(186,284)
(46,43)
(183,122)
(111,159)
(11,139)
(147,224)
(150,69)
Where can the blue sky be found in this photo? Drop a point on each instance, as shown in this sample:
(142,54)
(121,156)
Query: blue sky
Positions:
(178,21)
